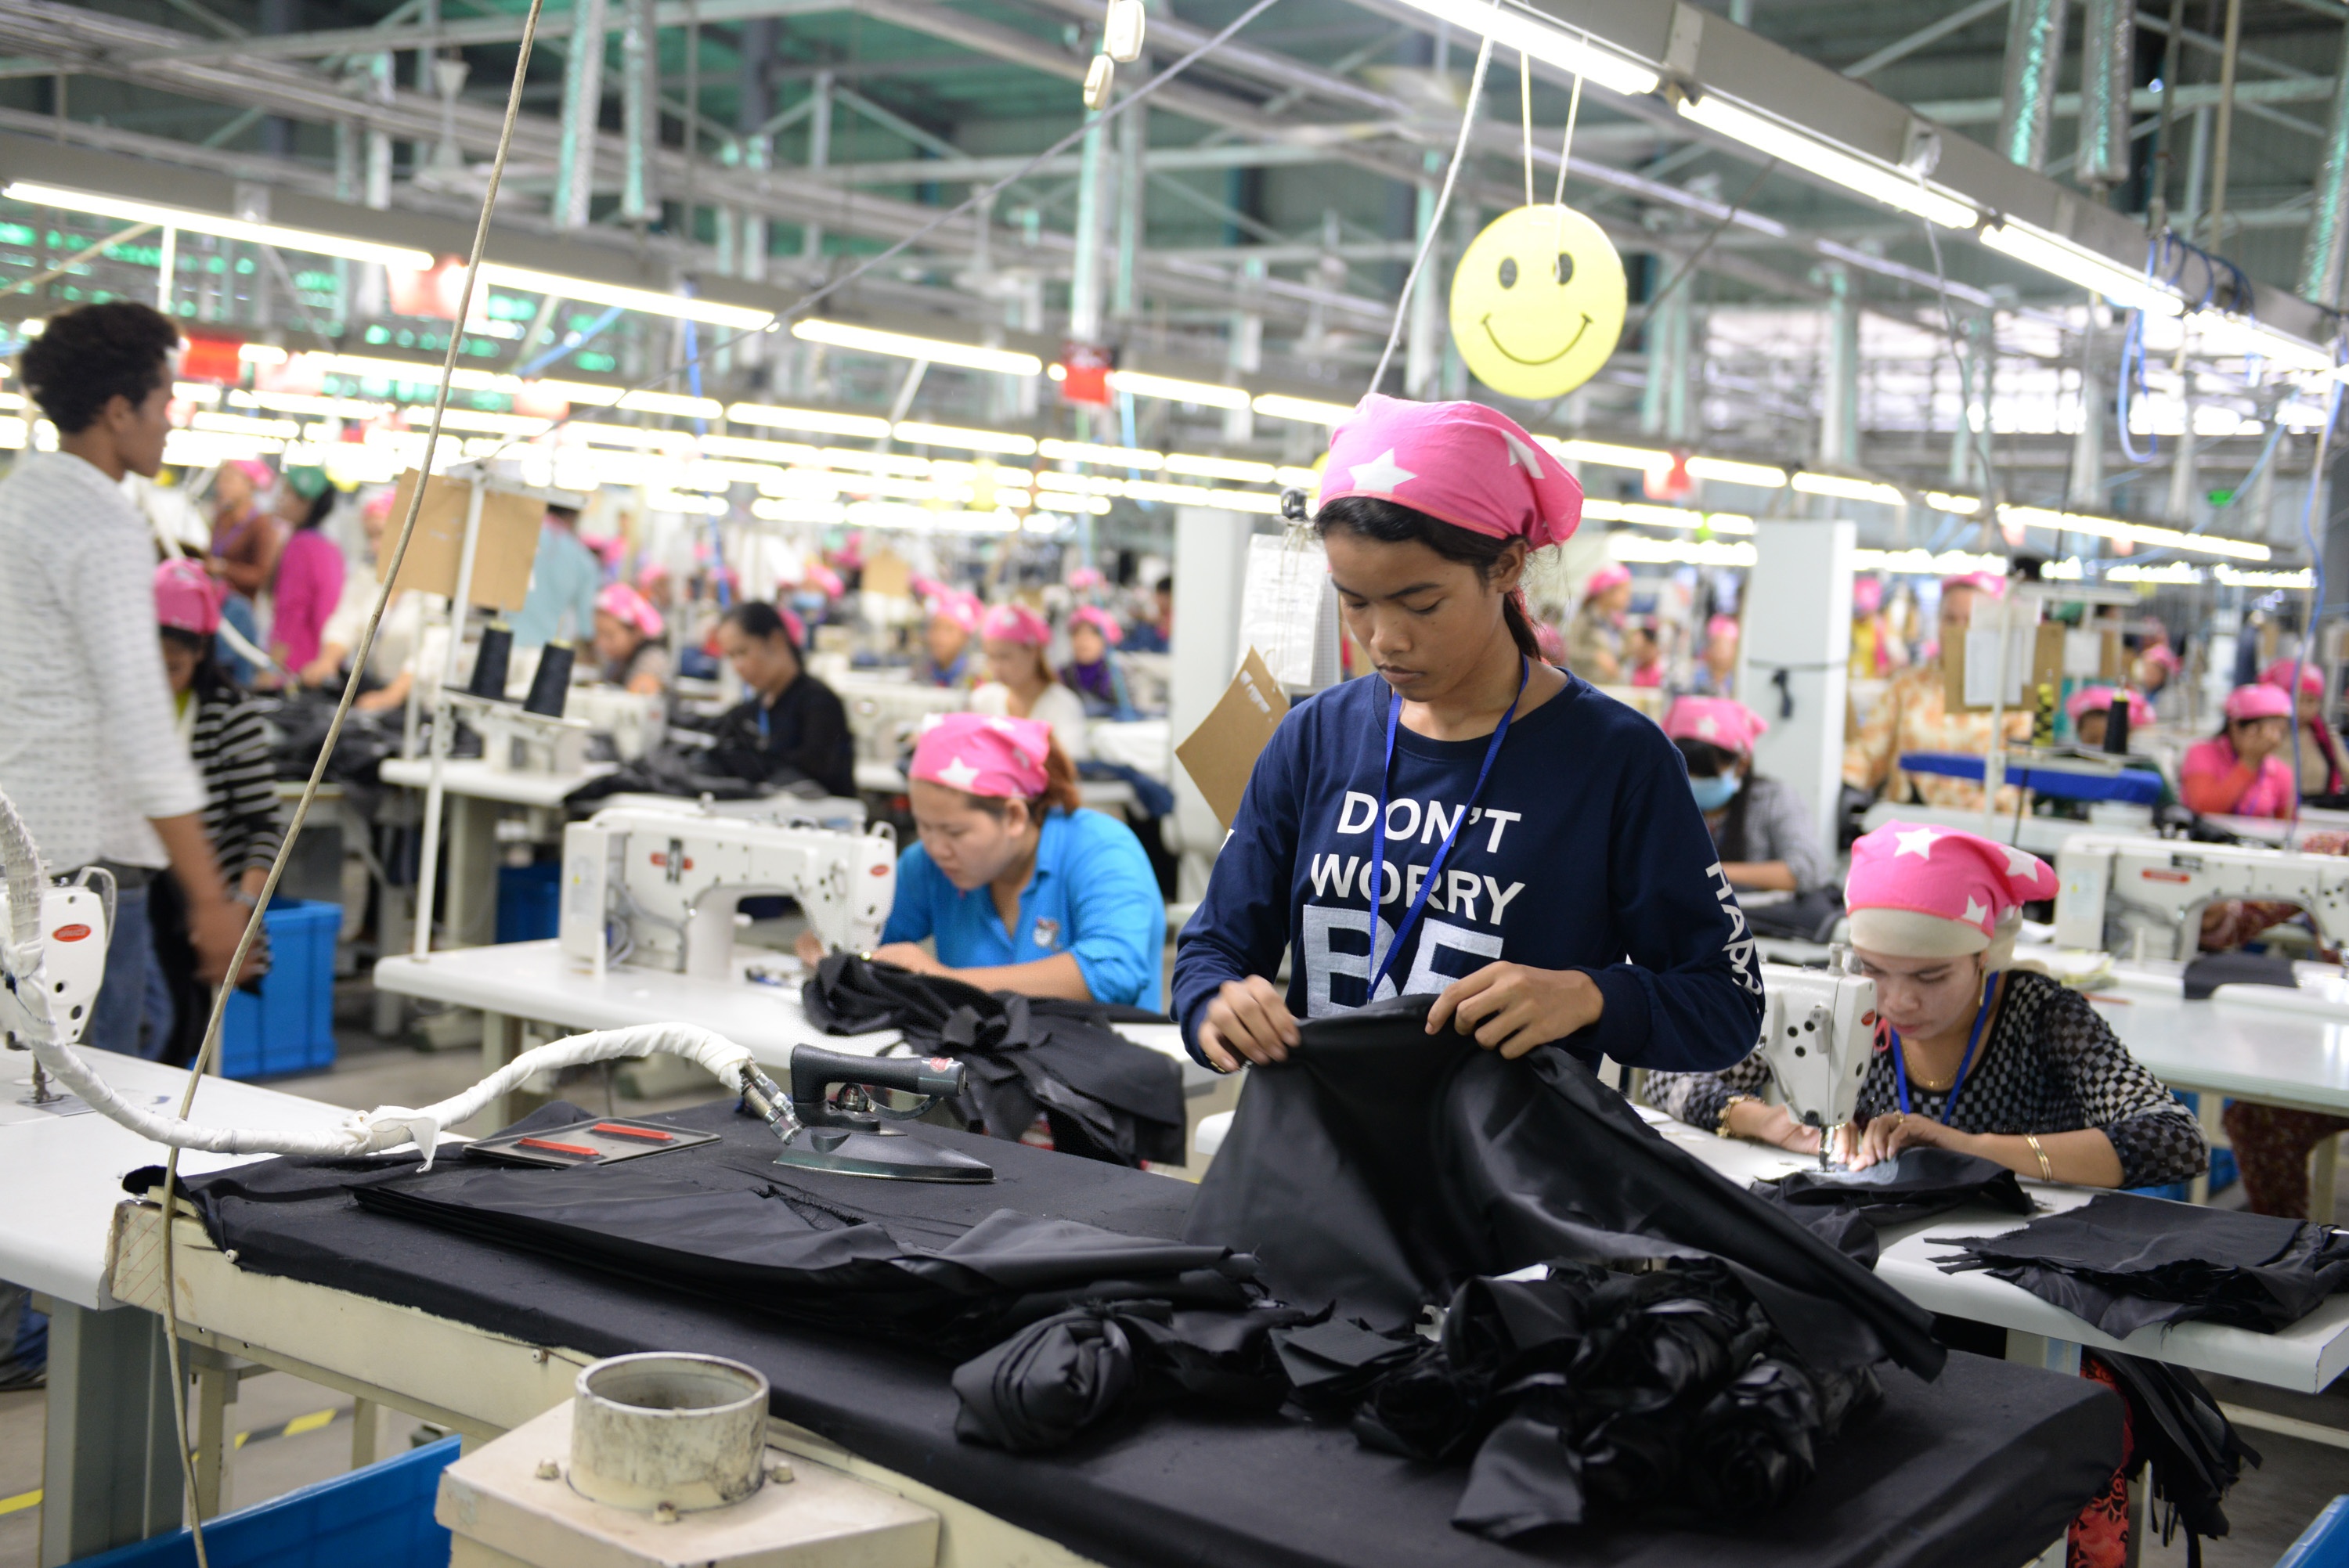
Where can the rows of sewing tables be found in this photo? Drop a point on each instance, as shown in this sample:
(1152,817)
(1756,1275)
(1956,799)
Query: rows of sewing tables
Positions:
(93,1256)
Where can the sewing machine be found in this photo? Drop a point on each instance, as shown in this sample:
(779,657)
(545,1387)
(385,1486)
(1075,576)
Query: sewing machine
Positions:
(68,963)
(634,720)
(671,881)
(1818,1034)
(516,740)
(2160,887)
(884,715)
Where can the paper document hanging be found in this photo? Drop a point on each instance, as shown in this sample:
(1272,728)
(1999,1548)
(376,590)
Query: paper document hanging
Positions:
(1288,613)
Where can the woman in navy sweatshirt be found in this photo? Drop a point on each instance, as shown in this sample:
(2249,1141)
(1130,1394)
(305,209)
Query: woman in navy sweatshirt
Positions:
(1536,858)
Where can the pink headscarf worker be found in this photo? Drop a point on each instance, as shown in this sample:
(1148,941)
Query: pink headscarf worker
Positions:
(2090,710)
(2323,770)
(2245,769)
(953,622)
(1392,831)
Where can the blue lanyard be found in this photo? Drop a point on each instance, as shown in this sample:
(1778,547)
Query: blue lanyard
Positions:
(1379,839)
(761,704)
(1900,1062)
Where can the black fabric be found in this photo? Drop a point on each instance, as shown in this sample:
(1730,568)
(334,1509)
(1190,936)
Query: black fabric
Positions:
(1380,1166)
(1805,917)
(2122,1261)
(1847,1208)
(2209,971)
(2195,1453)
(1985,1466)
(690,772)
(1105,1097)
(1592,1394)
(805,735)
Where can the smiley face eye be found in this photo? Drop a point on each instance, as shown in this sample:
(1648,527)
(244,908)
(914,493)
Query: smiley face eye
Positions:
(1565,268)
(1508,272)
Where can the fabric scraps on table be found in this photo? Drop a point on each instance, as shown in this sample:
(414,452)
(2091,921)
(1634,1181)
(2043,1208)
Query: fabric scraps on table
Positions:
(1105,1097)
(1846,1208)
(2122,1261)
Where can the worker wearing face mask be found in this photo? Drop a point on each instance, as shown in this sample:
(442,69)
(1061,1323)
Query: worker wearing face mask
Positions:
(1760,826)
(1474,824)
(1019,888)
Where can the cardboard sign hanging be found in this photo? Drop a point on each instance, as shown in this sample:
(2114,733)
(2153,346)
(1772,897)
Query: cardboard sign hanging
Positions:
(1221,753)
(501,557)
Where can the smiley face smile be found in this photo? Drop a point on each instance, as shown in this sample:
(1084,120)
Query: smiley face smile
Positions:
(1487,325)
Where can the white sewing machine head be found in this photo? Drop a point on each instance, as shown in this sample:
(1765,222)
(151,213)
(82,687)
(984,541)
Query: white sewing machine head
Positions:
(670,883)
(634,720)
(2114,887)
(884,715)
(69,971)
(514,740)
(1818,1035)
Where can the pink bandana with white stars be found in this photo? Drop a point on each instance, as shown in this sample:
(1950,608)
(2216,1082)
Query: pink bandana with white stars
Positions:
(1460,463)
(1717,720)
(1946,873)
(999,757)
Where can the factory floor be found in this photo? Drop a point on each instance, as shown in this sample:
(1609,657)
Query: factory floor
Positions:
(290,1433)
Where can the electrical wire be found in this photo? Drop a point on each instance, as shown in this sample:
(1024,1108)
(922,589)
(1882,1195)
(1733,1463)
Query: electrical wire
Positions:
(1443,203)
(253,922)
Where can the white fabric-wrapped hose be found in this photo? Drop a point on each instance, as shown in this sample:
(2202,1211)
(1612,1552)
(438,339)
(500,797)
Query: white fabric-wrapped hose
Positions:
(388,1127)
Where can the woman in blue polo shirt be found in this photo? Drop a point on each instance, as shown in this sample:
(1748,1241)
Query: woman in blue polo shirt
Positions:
(1022,890)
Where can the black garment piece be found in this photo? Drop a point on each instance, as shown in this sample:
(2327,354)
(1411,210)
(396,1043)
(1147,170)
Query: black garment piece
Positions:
(1069,1372)
(804,736)
(1807,917)
(2195,1452)
(1984,1466)
(1379,1165)
(2122,1261)
(1846,1208)
(1594,1394)
(688,772)
(742,1231)
(2209,971)
(1105,1097)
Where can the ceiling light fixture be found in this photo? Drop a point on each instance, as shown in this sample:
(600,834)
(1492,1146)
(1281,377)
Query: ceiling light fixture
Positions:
(1517,29)
(1087,452)
(822,420)
(1961,505)
(2216,331)
(938,351)
(1238,468)
(1608,455)
(2135,532)
(2061,258)
(1207,394)
(1305,411)
(1843,488)
(673,403)
(227,228)
(1902,192)
(915,434)
(587,291)
(1723,470)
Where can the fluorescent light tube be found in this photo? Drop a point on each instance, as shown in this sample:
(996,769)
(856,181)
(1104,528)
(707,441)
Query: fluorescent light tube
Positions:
(1223,468)
(1207,393)
(938,351)
(412,372)
(586,290)
(1843,488)
(1305,411)
(2060,258)
(1089,452)
(1608,455)
(1519,30)
(751,448)
(915,434)
(673,403)
(1644,547)
(2218,333)
(1800,150)
(1761,475)
(1962,505)
(823,420)
(2135,533)
(227,228)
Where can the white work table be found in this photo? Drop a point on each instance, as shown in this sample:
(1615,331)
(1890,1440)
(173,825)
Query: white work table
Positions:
(2304,1358)
(477,794)
(473,778)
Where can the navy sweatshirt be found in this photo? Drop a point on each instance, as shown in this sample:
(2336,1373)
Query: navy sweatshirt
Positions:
(1586,852)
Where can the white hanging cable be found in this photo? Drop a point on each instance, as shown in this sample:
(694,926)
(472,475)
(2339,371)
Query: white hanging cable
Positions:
(1573,113)
(1526,117)
(1435,219)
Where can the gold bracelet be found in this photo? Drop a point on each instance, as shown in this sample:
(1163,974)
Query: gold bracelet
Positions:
(1720,1123)
(2046,1171)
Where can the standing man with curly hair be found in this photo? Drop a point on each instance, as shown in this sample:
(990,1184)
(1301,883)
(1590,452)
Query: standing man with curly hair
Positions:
(89,750)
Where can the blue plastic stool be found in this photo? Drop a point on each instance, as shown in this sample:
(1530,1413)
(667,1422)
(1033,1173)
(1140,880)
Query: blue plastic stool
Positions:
(379,1517)
(2324,1543)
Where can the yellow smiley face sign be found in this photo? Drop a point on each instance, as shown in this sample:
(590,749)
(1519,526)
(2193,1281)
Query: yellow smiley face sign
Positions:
(1538,302)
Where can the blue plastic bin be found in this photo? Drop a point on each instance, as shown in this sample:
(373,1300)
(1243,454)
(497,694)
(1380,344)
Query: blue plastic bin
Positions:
(290,1026)
(2324,1543)
(530,902)
(379,1517)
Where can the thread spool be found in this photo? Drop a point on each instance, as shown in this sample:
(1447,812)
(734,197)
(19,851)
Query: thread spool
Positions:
(551,687)
(2117,726)
(491,663)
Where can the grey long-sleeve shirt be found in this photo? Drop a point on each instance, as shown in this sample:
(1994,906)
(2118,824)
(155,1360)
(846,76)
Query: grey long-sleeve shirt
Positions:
(1778,828)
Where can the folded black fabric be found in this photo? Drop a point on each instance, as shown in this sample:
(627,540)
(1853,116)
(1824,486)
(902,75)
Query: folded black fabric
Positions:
(2122,1261)
(1380,1166)
(1105,1097)
(1589,1393)
(1846,1208)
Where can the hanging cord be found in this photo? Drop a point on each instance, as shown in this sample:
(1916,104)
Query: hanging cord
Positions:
(1443,204)
(1573,113)
(2130,387)
(807,302)
(1688,268)
(1978,450)
(2316,599)
(1526,119)
(253,922)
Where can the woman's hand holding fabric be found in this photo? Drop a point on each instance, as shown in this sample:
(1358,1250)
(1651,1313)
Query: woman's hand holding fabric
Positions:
(1513,1008)
(908,955)
(1247,1020)
(1895,1130)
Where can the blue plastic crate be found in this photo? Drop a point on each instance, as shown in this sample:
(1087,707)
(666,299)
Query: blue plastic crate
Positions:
(379,1517)
(290,1026)
(530,902)
(2324,1543)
